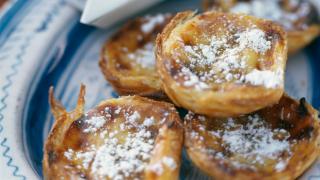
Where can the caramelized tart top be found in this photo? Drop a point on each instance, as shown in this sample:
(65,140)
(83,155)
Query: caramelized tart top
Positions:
(217,51)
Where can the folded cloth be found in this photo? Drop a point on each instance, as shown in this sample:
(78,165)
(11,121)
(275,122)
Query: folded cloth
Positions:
(105,13)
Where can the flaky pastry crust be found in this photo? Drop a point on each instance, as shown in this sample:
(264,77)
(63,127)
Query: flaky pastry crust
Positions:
(181,73)
(127,58)
(80,145)
(239,148)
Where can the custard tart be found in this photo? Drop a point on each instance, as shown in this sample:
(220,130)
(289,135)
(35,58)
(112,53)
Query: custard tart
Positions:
(276,143)
(299,18)
(118,139)
(221,64)
(128,61)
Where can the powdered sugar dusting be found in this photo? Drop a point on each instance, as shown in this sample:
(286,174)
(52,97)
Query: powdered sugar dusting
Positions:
(149,121)
(118,161)
(192,80)
(118,156)
(222,60)
(84,157)
(254,39)
(158,167)
(280,166)
(267,78)
(152,21)
(144,56)
(94,123)
(254,141)
(133,117)
(169,162)
(69,154)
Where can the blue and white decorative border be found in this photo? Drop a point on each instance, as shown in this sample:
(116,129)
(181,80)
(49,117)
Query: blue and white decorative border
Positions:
(24,48)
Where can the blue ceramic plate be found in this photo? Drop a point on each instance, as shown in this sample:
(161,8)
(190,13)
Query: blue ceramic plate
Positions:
(42,43)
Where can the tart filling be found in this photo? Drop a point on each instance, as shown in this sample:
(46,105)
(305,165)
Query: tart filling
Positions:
(218,48)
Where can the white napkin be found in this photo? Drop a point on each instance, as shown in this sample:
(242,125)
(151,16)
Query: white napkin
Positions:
(104,13)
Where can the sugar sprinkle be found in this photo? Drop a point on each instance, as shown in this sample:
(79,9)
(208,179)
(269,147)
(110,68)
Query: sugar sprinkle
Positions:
(254,141)
(119,158)
(225,61)
(94,123)
(144,56)
(152,21)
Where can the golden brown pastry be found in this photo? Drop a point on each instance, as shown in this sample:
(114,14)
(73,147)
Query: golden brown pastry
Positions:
(127,59)
(276,143)
(299,18)
(221,64)
(118,139)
